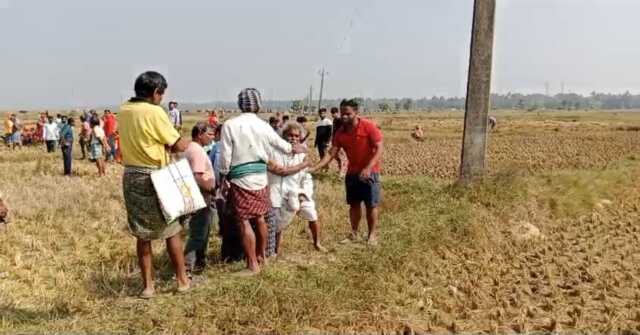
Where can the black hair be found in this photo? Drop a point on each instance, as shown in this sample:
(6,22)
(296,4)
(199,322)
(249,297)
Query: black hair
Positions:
(301,119)
(321,110)
(285,118)
(353,103)
(199,128)
(273,119)
(334,110)
(94,122)
(148,82)
(82,118)
(70,121)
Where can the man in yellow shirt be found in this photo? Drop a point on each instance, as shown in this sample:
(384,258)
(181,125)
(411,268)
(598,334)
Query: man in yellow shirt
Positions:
(8,130)
(146,135)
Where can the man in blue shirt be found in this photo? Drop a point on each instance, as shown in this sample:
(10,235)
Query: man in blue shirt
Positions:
(66,144)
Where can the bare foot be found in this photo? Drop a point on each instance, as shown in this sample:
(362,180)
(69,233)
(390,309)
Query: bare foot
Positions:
(320,248)
(147,293)
(351,238)
(372,241)
(184,288)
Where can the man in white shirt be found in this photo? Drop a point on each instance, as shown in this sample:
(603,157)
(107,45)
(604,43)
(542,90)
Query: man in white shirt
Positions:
(244,153)
(175,115)
(51,134)
(291,192)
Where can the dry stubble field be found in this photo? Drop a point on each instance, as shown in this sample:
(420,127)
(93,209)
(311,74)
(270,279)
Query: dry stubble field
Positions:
(548,242)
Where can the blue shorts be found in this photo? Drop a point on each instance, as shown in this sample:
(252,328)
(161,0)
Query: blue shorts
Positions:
(367,191)
(16,137)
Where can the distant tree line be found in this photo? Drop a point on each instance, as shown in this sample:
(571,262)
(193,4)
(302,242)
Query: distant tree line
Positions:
(518,101)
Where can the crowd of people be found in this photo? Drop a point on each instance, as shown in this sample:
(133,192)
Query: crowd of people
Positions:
(255,177)
(97,137)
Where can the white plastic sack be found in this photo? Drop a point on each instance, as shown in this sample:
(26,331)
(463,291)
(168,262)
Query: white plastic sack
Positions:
(177,190)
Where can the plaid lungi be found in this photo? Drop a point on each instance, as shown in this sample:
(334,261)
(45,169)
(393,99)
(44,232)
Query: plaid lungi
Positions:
(144,214)
(248,204)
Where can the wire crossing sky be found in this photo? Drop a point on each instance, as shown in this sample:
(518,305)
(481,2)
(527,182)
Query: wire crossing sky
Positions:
(68,53)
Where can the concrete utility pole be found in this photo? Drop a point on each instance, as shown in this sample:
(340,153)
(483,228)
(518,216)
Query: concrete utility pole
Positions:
(474,141)
(322,73)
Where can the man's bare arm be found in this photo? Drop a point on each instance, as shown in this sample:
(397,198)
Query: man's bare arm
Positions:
(286,171)
(180,145)
(377,148)
(204,184)
(333,152)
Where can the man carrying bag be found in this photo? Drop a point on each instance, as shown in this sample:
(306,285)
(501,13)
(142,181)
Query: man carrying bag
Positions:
(145,136)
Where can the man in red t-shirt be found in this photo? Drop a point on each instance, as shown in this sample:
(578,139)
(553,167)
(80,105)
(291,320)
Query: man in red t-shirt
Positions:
(213,119)
(362,142)
(110,128)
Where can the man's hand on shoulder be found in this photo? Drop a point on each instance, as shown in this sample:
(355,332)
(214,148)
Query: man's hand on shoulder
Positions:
(299,149)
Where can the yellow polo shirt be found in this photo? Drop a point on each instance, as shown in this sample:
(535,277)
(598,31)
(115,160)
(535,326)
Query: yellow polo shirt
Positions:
(144,130)
(8,126)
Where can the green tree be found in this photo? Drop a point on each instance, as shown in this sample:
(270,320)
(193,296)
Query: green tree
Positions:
(407,104)
(297,105)
(384,107)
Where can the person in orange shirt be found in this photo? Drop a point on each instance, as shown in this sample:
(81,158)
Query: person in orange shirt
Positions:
(213,119)
(110,127)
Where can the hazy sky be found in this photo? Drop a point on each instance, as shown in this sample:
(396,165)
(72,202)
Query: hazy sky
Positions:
(86,52)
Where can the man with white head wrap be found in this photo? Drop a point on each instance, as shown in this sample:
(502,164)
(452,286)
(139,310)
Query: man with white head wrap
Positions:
(244,152)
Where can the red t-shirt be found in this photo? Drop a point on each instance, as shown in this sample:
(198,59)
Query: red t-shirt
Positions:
(109,125)
(358,144)
(213,120)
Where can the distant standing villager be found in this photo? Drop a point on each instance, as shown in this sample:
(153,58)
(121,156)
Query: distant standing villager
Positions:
(110,128)
(246,141)
(16,135)
(39,134)
(302,121)
(51,134)
(145,135)
(362,141)
(66,145)
(85,135)
(175,116)
(323,132)
(493,122)
(98,146)
(212,120)
(337,124)
(8,130)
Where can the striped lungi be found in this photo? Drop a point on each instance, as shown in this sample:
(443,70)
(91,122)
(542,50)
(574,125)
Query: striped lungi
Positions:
(248,204)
